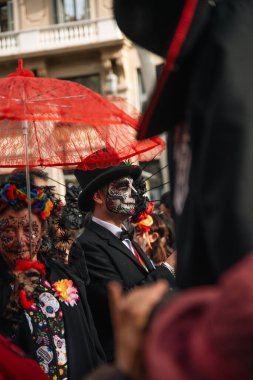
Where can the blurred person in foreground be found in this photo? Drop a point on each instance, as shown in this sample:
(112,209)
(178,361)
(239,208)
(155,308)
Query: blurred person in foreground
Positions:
(15,365)
(204,100)
(203,333)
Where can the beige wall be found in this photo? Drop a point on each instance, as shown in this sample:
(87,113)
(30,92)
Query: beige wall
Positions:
(69,65)
(102,8)
(34,13)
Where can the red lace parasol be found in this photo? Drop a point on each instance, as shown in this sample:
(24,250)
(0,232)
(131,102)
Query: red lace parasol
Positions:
(64,123)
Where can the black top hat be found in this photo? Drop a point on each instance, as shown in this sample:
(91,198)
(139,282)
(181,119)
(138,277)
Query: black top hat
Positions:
(92,180)
(171,29)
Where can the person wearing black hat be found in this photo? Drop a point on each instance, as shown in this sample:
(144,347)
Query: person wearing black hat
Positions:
(204,99)
(109,195)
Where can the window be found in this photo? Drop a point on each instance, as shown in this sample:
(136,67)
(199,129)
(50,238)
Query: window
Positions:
(91,81)
(142,93)
(6,16)
(71,10)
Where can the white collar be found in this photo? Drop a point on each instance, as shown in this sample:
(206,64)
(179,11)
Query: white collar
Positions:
(109,226)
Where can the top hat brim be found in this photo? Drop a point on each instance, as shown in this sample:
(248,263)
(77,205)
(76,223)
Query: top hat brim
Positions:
(186,20)
(112,173)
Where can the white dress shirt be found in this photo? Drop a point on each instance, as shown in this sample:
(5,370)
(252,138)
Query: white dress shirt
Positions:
(114,230)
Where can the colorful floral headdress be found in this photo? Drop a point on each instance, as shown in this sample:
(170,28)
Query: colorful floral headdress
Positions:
(11,195)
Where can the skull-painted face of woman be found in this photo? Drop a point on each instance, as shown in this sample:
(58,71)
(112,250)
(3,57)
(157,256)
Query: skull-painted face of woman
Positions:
(120,197)
(14,235)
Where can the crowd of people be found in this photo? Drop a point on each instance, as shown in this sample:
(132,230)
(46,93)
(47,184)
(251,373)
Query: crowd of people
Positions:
(110,286)
(54,292)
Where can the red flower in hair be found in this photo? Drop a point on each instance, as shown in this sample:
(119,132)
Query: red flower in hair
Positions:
(144,225)
(148,211)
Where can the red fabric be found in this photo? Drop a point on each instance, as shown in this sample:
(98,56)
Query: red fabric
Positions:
(23,265)
(14,366)
(148,211)
(205,333)
(66,123)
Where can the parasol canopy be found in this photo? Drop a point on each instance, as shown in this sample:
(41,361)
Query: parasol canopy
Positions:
(65,123)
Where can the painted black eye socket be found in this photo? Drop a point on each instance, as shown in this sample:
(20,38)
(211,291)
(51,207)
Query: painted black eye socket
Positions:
(123,185)
(7,231)
(123,188)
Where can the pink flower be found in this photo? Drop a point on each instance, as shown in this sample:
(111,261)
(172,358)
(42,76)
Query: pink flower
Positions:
(46,283)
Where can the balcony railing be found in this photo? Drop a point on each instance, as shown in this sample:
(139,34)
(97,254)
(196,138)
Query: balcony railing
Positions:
(59,36)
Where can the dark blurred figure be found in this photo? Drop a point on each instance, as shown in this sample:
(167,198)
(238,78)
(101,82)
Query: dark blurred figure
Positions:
(203,99)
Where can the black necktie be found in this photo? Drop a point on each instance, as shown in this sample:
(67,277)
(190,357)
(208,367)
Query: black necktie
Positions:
(127,234)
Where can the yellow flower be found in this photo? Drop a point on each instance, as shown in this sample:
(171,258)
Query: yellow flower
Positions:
(61,287)
(66,291)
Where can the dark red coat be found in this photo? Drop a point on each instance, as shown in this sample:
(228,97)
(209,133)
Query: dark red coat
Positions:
(15,366)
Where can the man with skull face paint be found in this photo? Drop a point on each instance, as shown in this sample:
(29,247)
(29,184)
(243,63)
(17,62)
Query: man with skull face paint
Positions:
(109,196)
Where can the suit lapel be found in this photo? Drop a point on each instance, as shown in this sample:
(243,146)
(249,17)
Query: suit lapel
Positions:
(116,243)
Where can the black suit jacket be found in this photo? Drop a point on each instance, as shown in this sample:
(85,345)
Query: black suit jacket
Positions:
(109,259)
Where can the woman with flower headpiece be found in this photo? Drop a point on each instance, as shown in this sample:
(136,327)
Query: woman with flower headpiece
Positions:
(43,305)
(153,235)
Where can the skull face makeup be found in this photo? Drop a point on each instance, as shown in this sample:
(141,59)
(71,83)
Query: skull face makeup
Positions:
(120,197)
(14,236)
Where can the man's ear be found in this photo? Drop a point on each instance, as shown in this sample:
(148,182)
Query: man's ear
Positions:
(98,197)
(153,237)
